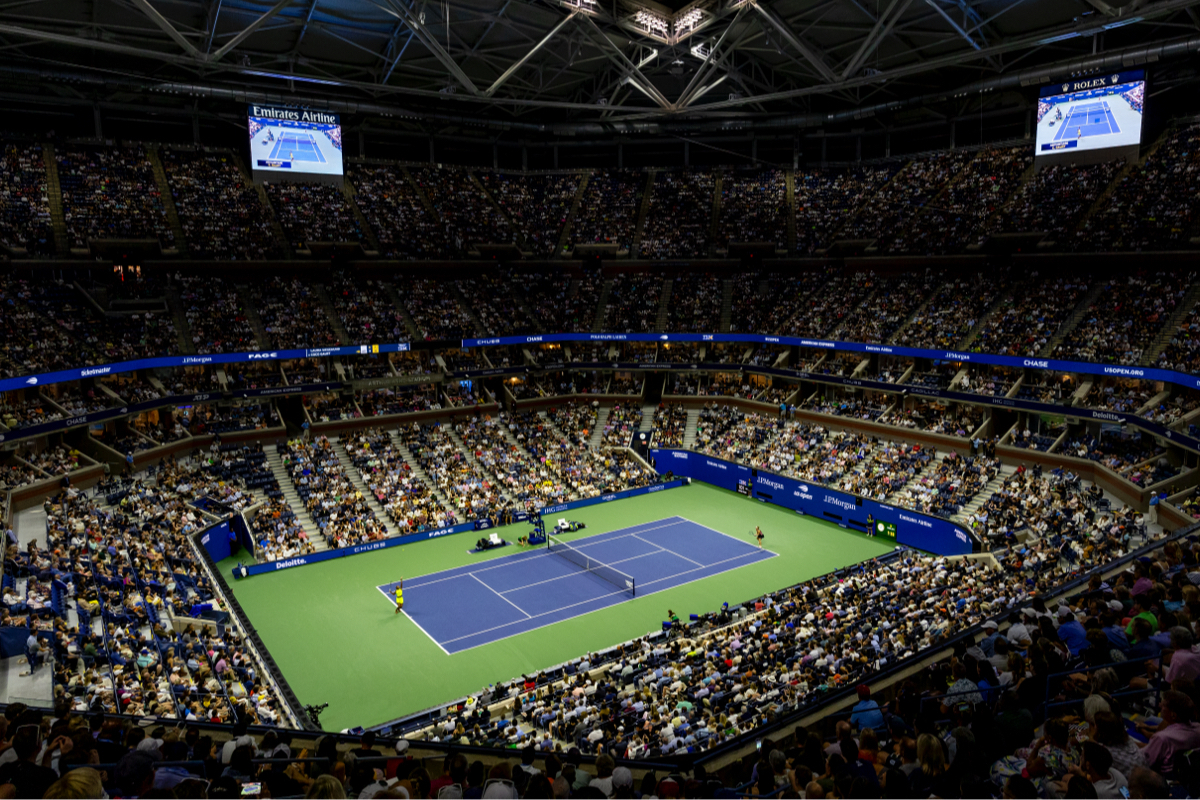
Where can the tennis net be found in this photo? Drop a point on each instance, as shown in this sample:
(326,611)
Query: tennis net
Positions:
(589,564)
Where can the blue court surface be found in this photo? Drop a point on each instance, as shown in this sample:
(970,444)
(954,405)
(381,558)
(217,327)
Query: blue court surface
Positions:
(297,147)
(1093,119)
(475,605)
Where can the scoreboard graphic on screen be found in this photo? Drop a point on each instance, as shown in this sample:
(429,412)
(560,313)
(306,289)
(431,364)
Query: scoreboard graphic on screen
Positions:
(294,141)
(887,529)
(1091,114)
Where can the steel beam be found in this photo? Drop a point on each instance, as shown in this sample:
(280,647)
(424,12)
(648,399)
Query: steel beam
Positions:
(794,41)
(959,30)
(520,62)
(631,70)
(312,8)
(703,90)
(883,26)
(249,29)
(709,63)
(396,60)
(402,12)
(164,23)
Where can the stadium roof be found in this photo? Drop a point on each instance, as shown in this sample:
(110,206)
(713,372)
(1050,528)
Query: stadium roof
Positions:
(599,64)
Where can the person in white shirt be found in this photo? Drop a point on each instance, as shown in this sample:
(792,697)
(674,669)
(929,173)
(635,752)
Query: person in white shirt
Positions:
(1097,770)
(240,737)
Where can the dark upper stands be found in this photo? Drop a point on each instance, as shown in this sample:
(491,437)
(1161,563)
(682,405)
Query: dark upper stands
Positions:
(936,204)
(110,193)
(24,206)
(219,210)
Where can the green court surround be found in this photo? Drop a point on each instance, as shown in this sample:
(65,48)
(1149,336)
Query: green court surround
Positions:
(337,640)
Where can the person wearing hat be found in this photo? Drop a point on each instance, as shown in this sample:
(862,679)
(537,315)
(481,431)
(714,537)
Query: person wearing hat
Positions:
(991,633)
(400,596)
(866,712)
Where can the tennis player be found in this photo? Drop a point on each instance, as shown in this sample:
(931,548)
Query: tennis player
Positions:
(758,534)
(400,596)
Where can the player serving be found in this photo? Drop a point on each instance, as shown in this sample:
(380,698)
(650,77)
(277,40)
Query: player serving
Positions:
(758,534)
(400,596)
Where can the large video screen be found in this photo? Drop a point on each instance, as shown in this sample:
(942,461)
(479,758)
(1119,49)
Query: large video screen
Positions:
(295,141)
(1091,113)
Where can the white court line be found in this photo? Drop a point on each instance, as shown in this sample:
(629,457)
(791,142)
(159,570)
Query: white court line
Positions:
(413,621)
(576,573)
(601,597)
(736,539)
(502,597)
(578,544)
(667,550)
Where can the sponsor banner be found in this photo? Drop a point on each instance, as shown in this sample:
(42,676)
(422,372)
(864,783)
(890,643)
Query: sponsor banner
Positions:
(397,380)
(307,388)
(1144,373)
(1001,402)
(368,547)
(490,373)
(25,381)
(1016,362)
(478,525)
(107,414)
(932,534)
(1097,82)
(1056,365)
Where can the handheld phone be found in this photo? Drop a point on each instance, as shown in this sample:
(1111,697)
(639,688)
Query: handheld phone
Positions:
(251,789)
(758,745)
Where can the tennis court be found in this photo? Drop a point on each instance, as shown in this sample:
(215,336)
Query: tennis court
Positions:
(1093,119)
(483,603)
(297,147)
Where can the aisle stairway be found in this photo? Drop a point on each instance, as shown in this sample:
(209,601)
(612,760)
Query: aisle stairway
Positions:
(168,200)
(597,437)
(420,472)
(564,236)
(277,231)
(998,307)
(469,454)
(639,229)
(601,304)
(465,305)
(664,305)
(370,239)
(339,447)
(293,498)
(689,435)
(58,221)
(648,410)
(1171,326)
(1080,311)
(978,501)
(335,320)
(183,328)
(916,312)
(726,305)
(714,222)
(394,295)
(790,184)
(261,337)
